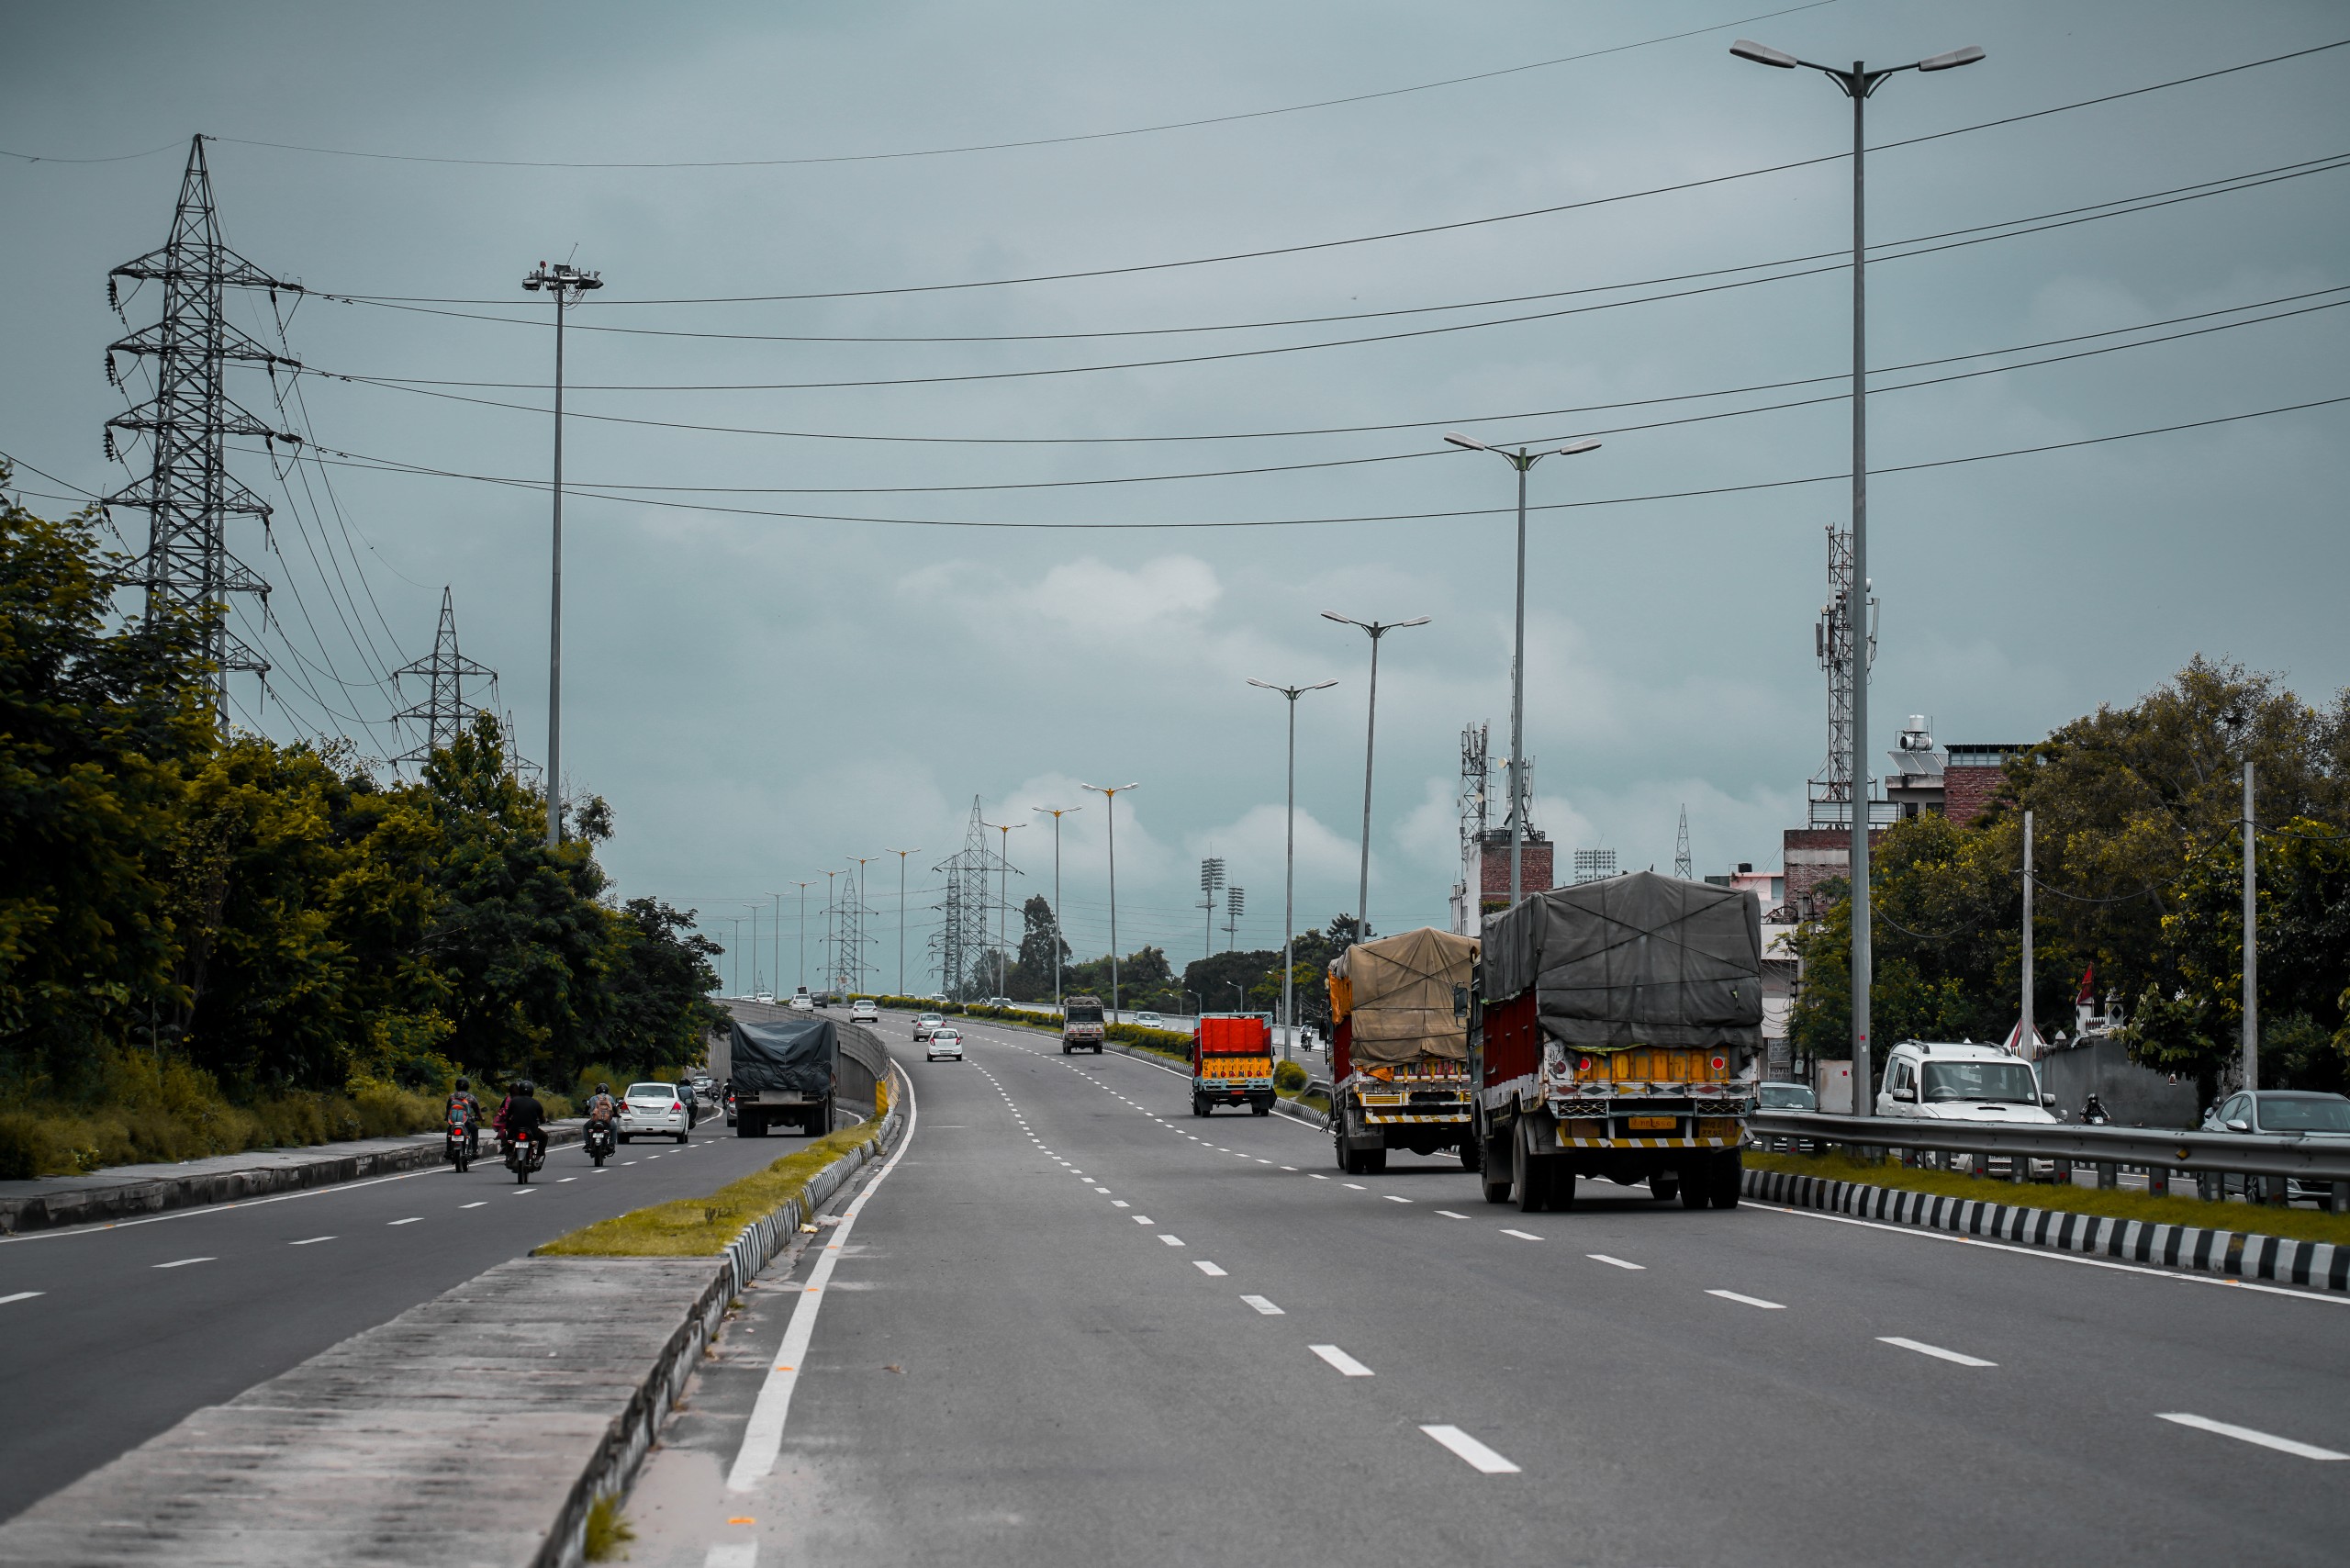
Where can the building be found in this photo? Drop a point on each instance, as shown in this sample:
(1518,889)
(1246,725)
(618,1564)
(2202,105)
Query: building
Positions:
(1485,866)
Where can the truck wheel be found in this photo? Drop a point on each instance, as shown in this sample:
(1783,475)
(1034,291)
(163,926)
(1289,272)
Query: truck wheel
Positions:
(1339,1152)
(1261,1109)
(1468,1152)
(1695,1188)
(1525,1176)
(1374,1161)
(1726,1178)
(1064,1047)
(1097,1049)
(1664,1187)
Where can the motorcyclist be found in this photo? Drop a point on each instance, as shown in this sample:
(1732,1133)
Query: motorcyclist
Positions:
(462,1103)
(525,1117)
(601,1107)
(2093,1112)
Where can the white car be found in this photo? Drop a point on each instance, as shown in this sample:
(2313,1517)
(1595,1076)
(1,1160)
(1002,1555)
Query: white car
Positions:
(767,997)
(654,1110)
(864,1011)
(944,1041)
(927,1025)
(1937,1082)
(1150,1020)
(804,1003)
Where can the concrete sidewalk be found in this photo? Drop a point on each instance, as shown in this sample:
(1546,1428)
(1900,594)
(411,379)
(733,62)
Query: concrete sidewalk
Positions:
(124,1192)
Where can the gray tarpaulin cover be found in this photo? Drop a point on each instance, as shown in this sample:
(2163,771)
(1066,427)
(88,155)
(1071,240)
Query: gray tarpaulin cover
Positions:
(1634,961)
(1402,996)
(795,1053)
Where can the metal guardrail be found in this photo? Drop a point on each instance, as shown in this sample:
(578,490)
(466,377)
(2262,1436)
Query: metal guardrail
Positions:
(2155,1148)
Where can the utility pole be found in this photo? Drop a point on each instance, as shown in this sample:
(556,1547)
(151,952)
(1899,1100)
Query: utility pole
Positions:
(1857,84)
(902,854)
(1003,922)
(1375,629)
(2251,943)
(444,712)
(1110,794)
(1289,864)
(803,887)
(187,492)
(2026,1029)
(1056,812)
(778,941)
(564,283)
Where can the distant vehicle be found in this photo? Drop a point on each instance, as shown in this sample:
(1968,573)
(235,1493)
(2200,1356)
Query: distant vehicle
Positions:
(943,1042)
(1150,1020)
(785,1073)
(766,996)
(863,1010)
(705,1089)
(654,1110)
(1781,1097)
(1399,1049)
(825,999)
(2285,1113)
(928,1024)
(999,1001)
(1232,1063)
(1082,1025)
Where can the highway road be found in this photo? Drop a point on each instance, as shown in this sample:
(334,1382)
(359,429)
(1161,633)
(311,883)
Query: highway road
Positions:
(112,1334)
(1074,1324)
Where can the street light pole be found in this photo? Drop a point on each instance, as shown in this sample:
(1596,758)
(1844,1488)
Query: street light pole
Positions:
(902,854)
(1289,865)
(2251,943)
(1523,461)
(858,983)
(804,932)
(1056,812)
(1110,794)
(1857,84)
(566,284)
(1375,629)
(1004,881)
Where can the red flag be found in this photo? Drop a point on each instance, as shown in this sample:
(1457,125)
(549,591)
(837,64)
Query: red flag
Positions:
(2082,998)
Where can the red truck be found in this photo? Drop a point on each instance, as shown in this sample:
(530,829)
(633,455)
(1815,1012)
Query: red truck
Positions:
(1232,1062)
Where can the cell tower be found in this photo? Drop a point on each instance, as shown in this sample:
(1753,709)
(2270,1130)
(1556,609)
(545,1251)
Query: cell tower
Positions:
(1835,639)
(187,492)
(1682,866)
(1476,778)
(1234,899)
(444,712)
(1211,884)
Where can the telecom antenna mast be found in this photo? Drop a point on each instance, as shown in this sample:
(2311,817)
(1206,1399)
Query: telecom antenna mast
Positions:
(1835,638)
(444,712)
(1682,866)
(187,492)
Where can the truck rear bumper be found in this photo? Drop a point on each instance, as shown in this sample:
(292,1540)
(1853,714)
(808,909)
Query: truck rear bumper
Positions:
(1566,1142)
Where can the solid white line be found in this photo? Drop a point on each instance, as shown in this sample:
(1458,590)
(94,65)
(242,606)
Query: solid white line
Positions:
(1263,1306)
(763,1436)
(184,1263)
(1346,1363)
(1205,1267)
(1750,1300)
(1172,1240)
(1522,1235)
(20,1295)
(2245,1434)
(1616,1262)
(1479,1456)
(1934,1351)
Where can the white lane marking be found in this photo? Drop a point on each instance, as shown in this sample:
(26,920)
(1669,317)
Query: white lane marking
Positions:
(732,1554)
(1265,1307)
(1103,1191)
(1450,1214)
(410,1220)
(1318,1176)
(1289,1168)
(1751,1300)
(1616,1262)
(1172,1240)
(2246,1435)
(1355,1186)
(561,1180)
(28,1296)
(628,1162)
(314,1240)
(1120,1204)
(1144,1219)
(1479,1456)
(1934,1351)
(1346,1363)
(477,1204)
(1522,1235)
(763,1436)
(1205,1267)
(1394,1199)
(184,1263)
(524,1192)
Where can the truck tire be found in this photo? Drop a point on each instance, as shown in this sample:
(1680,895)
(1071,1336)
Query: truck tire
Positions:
(1664,1187)
(1696,1188)
(1097,1048)
(1525,1176)
(1470,1159)
(1259,1108)
(1726,1179)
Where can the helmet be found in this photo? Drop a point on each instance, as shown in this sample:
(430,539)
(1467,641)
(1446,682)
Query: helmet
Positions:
(603,1088)
(465,1084)
(522,1086)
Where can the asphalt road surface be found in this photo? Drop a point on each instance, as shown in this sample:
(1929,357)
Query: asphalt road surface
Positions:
(110,1334)
(1074,1324)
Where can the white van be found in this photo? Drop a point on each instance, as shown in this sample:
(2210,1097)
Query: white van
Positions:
(1939,1083)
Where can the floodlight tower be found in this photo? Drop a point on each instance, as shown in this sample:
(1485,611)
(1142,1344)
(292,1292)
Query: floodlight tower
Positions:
(563,284)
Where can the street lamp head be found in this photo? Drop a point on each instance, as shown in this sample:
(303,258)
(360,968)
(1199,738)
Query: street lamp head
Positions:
(1952,60)
(1464,441)
(1763,55)
(1577,448)
(1415,621)
(1341,619)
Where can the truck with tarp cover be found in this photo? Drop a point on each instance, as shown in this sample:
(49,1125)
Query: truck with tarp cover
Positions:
(1232,1062)
(1613,1033)
(1081,1027)
(784,1072)
(1399,1048)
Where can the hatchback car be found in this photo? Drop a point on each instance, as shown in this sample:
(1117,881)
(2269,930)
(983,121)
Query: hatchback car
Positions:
(864,1011)
(2320,1117)
(943,1042)
(926,1024)
(654,1110)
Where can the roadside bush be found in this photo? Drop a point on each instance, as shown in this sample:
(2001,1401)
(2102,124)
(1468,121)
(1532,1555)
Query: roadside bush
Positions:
(1291,1077)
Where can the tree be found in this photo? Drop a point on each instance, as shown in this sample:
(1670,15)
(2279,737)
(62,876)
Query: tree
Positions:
(1221,981)
(1032,973)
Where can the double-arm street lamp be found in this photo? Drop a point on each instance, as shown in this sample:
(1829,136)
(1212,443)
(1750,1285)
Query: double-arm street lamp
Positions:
(1375,629)
(902,854)
(1110,793)
(1523,461)
(566,284)
(1003,880)
(1056,812)
(1289,861)
(1857,84)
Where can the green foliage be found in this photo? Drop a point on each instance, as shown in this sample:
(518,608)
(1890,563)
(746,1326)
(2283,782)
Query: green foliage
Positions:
(606,1530)
(1289,1077)
(1221,982)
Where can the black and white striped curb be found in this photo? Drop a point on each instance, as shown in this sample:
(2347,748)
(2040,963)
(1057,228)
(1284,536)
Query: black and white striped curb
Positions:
(761,1240)
(2319,1265)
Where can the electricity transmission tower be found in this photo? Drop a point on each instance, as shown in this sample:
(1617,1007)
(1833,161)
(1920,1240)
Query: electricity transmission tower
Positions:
(1682,866)
(1211,884)
(961,942)
(1233,898)
(444,712)
(187,492)
(849,938)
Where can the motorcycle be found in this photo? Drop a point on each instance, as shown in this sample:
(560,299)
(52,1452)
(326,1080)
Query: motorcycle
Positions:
(598,1141)
(460,1150)
(525,1154)
(2094,1115)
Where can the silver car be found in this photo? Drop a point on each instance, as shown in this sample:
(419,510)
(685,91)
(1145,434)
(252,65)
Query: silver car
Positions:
(2285,1113)
(654,1110)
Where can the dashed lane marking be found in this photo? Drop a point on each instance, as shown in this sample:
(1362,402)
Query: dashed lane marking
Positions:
(412,1219)
(1478,1455)
(1394,1199)
(184,1263)
(1347,1366)
(1264,1307)
(1172,1240)
(28,1296)
(1144,1219)
(314,1240)
(1936,1351)
(2248,1435)
(1205,1267)
(1751,1300)
(477,1204)
(1450,1214)
(1616,1262)
(1522,1235)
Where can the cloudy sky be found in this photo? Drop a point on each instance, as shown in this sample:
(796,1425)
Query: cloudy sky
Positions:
(774,660)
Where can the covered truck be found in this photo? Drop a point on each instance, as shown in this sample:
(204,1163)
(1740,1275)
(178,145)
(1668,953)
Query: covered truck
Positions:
(1612,1035)
(1399,1048)
(1232,1062)
(1082,1025)
(784,1072)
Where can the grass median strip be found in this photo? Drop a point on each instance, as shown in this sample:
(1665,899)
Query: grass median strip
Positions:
(699,1227)
(2265,1219)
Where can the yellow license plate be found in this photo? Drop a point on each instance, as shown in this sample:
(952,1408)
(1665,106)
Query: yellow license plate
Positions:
(1652,1124)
